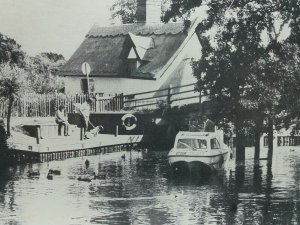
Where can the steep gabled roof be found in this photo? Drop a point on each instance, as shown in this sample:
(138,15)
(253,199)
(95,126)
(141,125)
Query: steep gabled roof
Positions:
(106,49)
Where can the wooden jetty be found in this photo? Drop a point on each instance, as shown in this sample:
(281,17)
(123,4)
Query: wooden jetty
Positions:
(23,148)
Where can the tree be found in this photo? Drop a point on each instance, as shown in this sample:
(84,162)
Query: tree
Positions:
(10,51)
(180,9)
(42,69)
(43,72)
(46,63)
(13,83)
(124,10)
(242,65)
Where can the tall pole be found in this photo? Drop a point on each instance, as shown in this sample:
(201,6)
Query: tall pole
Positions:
(88,80)
(86,69)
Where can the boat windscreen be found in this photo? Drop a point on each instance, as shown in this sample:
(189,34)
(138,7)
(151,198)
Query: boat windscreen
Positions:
(192,143)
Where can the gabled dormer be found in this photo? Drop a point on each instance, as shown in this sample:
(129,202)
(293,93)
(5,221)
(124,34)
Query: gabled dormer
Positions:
(137,54)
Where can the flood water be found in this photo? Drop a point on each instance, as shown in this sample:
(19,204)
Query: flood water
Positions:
(141,189)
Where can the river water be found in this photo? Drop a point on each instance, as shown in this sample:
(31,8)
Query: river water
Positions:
(141,189)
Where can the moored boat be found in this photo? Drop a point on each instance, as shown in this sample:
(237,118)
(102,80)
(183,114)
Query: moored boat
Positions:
(202,150)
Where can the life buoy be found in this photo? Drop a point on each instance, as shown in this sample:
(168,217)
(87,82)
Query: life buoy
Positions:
(129,121)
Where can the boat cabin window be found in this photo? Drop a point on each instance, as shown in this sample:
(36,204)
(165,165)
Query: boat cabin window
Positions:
(193,144)
(214,143)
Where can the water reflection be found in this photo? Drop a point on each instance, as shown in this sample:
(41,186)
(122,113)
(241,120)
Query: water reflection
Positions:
(140,189)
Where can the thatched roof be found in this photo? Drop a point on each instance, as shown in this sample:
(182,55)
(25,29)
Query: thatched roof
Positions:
(106,50)
(136,28)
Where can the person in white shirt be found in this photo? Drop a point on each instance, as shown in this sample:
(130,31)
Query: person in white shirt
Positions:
(61,120)
(84,112)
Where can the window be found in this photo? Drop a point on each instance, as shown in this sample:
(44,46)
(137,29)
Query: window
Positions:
(84,85)
(192,144)
(214,144)
(132,66)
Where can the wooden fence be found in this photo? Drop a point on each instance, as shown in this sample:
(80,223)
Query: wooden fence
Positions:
(172,96)
(45,105)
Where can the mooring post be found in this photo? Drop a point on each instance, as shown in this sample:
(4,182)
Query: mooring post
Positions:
(117,131)
(81,134)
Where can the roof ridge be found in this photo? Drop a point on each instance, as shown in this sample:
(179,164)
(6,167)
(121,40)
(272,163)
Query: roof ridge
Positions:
(131,24)
(137,29)
(139,34)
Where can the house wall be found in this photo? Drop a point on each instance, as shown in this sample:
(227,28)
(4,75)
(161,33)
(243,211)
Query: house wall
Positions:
(108,85)
(191,50)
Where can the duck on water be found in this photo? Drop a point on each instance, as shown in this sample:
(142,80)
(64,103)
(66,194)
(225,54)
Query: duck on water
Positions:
(32,173)
(90,177)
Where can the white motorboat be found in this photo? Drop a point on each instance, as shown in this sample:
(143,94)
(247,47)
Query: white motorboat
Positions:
(199,149)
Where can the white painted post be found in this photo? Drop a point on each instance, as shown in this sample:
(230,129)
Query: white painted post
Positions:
(117,131)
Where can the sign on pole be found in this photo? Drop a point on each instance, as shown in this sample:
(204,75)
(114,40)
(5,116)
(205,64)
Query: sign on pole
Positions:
(86,70)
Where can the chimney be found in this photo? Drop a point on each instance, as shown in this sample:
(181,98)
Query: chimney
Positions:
(148,11)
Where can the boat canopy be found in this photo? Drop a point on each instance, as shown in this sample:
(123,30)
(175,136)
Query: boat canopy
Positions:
(188,134)
(197,140)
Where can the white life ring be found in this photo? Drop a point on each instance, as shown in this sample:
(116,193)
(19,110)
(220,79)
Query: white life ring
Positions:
(129,126)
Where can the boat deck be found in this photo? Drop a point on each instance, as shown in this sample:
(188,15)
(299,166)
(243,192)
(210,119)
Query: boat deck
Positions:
(67,143)
(40,142)
(25,149)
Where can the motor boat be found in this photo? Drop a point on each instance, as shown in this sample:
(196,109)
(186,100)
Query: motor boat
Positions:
(204,151)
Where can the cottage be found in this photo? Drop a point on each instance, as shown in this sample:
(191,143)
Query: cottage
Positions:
(144,56)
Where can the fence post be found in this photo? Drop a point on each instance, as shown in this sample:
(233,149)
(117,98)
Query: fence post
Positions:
(116,99)
(121,101)
(169,102)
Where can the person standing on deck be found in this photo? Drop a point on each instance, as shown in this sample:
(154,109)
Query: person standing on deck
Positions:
(3,136)
(84,112)
(209,126)
(62,121)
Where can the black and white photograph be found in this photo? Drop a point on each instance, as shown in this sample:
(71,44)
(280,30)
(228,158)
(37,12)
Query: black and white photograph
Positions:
(149,112)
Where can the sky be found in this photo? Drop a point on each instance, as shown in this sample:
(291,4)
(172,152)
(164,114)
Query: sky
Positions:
(51,25)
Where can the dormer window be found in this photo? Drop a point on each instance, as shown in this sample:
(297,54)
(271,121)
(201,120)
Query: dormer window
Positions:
(141,45)
(137,53)
(132,66)
(133,62)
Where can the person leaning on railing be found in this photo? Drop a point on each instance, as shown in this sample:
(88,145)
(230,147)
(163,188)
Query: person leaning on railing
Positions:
(3,136)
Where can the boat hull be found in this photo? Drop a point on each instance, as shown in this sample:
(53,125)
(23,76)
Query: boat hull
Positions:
(214,162)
